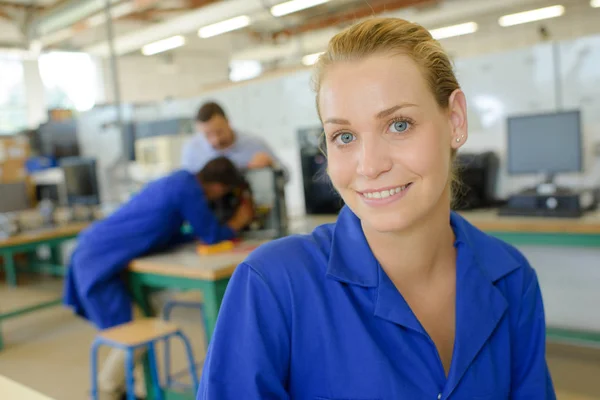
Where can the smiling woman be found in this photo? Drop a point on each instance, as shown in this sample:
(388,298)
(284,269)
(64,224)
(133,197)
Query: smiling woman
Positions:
(401,298)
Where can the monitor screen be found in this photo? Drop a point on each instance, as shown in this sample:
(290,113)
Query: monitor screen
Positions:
(545,143)
(80,180)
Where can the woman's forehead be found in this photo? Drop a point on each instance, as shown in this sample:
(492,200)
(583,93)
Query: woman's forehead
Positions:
(373,84)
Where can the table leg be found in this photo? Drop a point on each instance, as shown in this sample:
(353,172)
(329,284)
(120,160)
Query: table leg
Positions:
(56,255)
(9,268)
(212,294)
(142,299)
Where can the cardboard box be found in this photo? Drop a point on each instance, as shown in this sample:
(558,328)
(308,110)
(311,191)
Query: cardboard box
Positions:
(14,148)
(12,171)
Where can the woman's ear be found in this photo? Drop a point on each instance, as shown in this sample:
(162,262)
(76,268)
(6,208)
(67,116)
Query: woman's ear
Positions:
(457,106)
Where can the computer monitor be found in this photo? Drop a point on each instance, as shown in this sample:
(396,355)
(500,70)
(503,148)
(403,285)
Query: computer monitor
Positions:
(81,182)
(545,143)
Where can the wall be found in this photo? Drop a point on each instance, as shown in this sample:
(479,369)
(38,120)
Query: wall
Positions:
(156,78)
(579,20)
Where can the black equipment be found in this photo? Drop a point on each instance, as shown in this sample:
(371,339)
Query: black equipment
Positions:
(81,182)
(478,176)
(319,195)
(266,187)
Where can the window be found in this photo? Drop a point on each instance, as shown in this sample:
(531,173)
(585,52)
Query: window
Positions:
(70,80)
(241,70)
(13,107)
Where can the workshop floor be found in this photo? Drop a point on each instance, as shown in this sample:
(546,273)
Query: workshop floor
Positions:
(48,350)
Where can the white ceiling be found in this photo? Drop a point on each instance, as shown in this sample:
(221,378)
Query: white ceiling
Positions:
(139,29)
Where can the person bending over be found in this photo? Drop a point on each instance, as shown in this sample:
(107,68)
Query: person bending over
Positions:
(151,221)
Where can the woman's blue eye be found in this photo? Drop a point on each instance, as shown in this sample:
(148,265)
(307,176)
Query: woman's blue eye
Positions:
(346,137)
(399,126)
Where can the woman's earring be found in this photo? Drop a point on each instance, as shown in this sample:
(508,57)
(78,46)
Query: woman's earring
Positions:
(458,139)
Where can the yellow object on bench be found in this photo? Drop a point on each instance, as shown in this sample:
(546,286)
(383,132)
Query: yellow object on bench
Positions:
(206,249)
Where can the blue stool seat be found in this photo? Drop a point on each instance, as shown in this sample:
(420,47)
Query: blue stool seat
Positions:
(140,334)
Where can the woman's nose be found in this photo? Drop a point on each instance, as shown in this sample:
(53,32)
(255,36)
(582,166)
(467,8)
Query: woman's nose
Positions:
(374,157)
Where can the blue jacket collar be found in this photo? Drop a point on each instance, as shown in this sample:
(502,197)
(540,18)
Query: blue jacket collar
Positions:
(352,261)
(489,254)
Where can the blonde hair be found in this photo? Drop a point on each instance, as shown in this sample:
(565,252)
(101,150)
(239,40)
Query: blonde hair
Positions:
(394,36)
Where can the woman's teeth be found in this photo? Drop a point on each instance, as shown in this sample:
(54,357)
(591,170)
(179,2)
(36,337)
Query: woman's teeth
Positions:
(385,193)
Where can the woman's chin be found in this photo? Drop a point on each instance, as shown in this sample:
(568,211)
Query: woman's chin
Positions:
(386,222)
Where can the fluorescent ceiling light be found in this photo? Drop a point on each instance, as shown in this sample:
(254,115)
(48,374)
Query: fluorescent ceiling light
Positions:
(224,26)
(532,15)
(311,59)
(595,3)
(454,30)
(163,45)
(294,5)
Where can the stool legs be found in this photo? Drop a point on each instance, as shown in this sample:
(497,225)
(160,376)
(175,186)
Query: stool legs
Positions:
(129,378)
(94,369)
(167,309)
(191,361)
(154,371)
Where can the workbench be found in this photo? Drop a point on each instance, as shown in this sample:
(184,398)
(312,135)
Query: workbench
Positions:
(28,243)
(537,231)
(184,269)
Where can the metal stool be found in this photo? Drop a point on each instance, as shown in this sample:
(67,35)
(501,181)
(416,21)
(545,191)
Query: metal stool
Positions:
(134,335)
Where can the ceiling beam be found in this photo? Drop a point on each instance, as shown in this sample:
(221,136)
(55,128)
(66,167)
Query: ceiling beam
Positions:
(348,16)
(56,4)
(199,3)
(153,14)
(8,4)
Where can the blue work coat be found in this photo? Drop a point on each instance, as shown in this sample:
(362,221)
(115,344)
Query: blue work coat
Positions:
(316,317)
(149,222)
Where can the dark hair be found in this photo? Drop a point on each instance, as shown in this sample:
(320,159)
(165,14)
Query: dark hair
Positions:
(221,170)
(208,110)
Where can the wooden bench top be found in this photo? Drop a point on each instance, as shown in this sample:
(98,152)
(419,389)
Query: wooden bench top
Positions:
(490,221)
(185,262)
(43,234)
(10,389)
(138,332)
